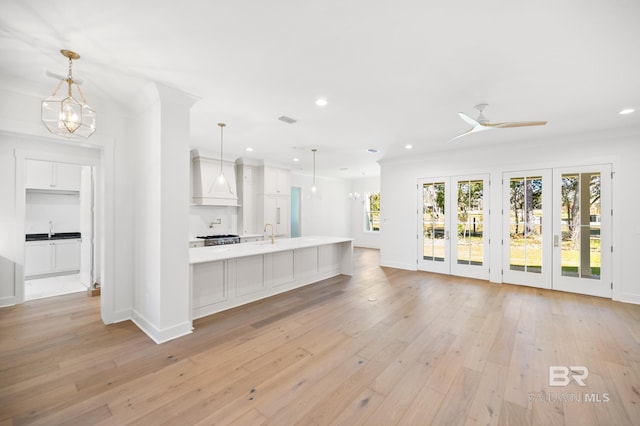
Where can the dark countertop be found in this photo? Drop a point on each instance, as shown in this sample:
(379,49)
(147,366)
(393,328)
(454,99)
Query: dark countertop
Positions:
(58,236)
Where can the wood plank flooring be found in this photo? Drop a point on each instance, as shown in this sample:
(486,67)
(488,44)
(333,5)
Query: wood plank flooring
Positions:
(383,347)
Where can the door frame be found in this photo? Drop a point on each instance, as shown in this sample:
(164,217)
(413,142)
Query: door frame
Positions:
(98,255)
(603,286)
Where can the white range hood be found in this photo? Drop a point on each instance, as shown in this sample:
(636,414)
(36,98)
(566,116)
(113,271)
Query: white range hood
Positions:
(205,172)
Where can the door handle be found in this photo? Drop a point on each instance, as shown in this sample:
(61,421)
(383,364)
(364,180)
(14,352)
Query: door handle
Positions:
(556,240)
(446,235)
(278,214)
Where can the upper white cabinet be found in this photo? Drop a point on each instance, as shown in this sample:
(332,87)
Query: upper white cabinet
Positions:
(52,176)
(246,176)
(277,181)
(273,201)
(207,189)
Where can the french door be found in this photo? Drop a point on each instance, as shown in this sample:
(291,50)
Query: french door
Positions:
(582,230)
(527,230)
(434,240)
(454,224)
(557,229)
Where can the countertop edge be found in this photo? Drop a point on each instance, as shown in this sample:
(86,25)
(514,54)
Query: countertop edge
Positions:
(232,251)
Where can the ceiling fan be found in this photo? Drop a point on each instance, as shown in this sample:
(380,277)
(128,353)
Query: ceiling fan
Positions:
(482,123)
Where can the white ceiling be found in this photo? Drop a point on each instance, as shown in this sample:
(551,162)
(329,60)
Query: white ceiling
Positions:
(393,72)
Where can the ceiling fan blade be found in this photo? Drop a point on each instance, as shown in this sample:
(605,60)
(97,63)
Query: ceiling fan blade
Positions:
(516,124)
(478,128)
(472,122)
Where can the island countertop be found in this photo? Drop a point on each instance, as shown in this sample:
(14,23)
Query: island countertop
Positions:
(230,251)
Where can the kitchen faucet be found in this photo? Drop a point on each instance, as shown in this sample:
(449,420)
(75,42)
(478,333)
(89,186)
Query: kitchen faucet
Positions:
(50,228)
(265,230)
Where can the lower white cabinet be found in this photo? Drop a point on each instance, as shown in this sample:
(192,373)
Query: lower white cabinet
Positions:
(251,239)
(222,284)
(51,256)
(38,258)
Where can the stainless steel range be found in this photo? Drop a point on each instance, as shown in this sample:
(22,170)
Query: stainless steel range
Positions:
(217,240)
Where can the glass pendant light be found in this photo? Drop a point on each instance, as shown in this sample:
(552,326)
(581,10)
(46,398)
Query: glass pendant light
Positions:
(67,116)
(221,184)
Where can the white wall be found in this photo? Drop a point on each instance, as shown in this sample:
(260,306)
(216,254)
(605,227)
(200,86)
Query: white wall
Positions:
(63,210)
(399,197)
(327,211)
(361,186)
(203,220)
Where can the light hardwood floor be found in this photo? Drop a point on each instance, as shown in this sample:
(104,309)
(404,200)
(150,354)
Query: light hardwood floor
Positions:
(383,347)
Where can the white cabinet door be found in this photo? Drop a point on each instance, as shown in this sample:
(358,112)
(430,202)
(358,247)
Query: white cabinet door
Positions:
(54,176)
(284,182)
(277,181)
(277,211)
(46,257)
(67,177)
(37,258)
(251,239)
(39,174)
(66,255)
(284,215)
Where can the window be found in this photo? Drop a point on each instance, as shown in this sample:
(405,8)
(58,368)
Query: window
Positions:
(372,211)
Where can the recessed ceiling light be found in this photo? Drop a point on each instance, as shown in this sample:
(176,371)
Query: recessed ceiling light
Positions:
(408,146)
(321,102)
(626,111)
(296,159)
(249,149)
(372,151)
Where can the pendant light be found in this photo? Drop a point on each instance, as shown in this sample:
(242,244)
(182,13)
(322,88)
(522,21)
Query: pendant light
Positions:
(68,116)
(221,184)
(313,187)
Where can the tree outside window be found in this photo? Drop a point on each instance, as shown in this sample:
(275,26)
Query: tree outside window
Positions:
(372,211)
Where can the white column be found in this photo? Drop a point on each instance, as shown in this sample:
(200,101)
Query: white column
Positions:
(161,213)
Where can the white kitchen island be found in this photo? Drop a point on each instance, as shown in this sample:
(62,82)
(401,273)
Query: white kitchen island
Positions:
(223,277)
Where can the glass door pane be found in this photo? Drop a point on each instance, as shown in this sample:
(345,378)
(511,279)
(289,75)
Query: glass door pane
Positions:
(434,221)
(527,239)
(471,240)
(580,225)
(434,239)
(525,224)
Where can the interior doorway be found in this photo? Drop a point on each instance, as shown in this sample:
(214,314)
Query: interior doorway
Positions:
(59,228)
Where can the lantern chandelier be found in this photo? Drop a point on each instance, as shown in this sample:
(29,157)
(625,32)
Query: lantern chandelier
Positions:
(66,115)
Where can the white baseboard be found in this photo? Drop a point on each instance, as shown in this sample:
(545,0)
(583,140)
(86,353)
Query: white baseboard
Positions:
(626,298)
(398,265)
(161,335)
